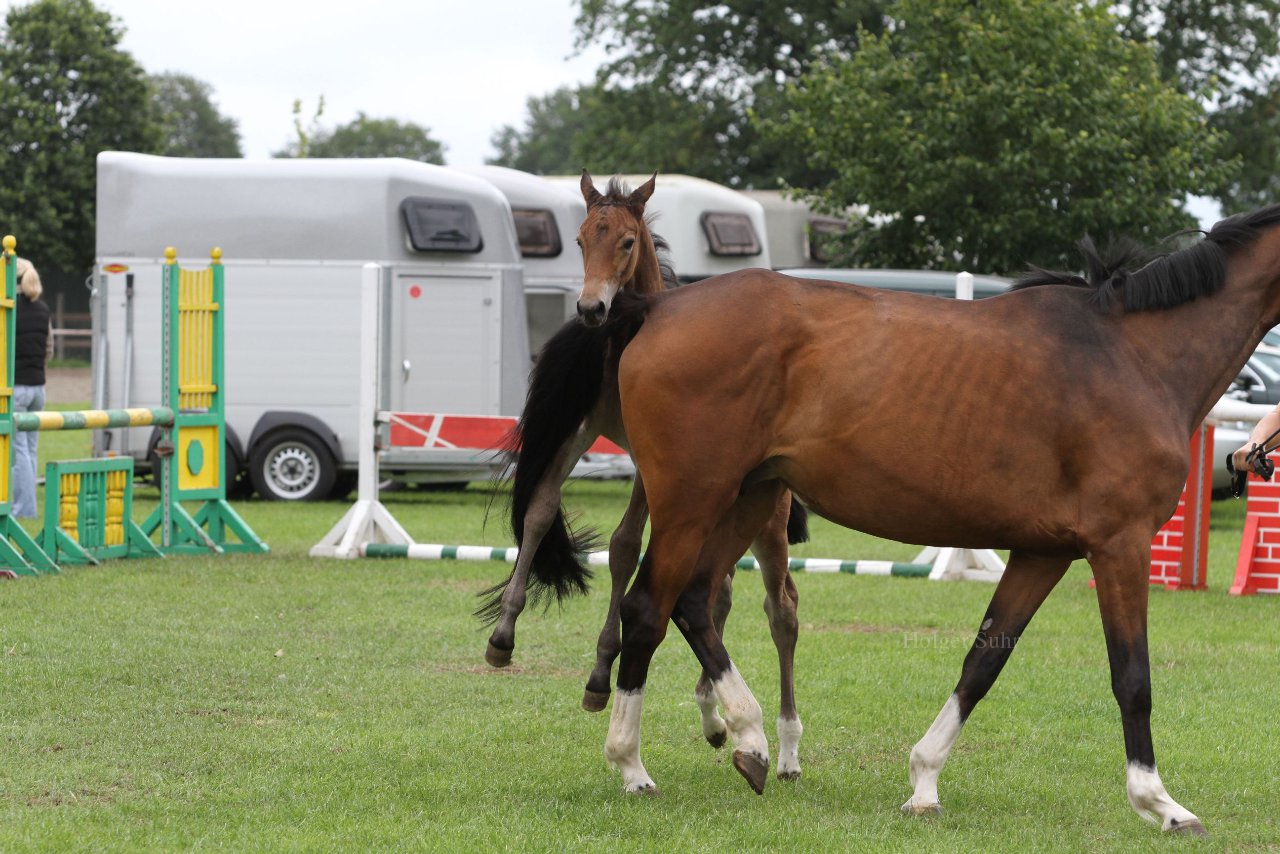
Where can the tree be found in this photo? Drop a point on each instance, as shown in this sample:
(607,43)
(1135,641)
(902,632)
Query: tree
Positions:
(1225,54)
(989,136)
(613,130)
(190,122)
(722,62)
(366,137)
(67,92)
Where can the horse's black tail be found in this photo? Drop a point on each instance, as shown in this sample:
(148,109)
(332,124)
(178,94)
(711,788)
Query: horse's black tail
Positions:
(564,387)
(797,522)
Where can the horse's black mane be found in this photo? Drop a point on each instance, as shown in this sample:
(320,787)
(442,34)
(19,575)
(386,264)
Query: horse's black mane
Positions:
(618,193)
(1165,281)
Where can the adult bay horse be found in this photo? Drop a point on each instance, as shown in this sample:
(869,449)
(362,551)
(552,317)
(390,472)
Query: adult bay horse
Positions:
(1015,422)
(620,253)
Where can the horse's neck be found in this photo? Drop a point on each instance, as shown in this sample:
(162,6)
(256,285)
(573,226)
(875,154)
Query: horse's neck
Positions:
(1198,348)
(648,275)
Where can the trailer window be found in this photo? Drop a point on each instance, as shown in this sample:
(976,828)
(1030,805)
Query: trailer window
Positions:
(730,234)
(822,234)
(439,225)
(539,237)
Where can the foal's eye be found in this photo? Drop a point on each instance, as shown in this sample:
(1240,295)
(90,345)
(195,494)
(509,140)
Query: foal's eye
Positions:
(578,240)
(628,243)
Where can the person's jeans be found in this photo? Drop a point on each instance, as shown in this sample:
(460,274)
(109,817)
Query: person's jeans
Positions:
(26,398)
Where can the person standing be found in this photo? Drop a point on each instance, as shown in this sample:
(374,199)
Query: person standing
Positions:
(31,352)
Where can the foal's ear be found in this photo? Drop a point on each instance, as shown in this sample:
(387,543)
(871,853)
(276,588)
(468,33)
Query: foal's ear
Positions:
(589,192)
(644,191)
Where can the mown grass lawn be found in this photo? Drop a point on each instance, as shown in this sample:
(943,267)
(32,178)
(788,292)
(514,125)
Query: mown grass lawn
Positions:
(281,703)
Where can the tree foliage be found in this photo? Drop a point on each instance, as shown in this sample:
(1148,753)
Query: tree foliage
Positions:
(687,76)
(67,92)
(190,122)
(612,130)
(367,137)
(988,136)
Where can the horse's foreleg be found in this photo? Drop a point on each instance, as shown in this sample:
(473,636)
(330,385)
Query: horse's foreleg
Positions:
(1121,576)
(624,555)
(704,693)
(539,516)
(1027,580)
(781,600)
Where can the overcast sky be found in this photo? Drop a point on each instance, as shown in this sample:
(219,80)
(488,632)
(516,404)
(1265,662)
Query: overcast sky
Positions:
(462,69)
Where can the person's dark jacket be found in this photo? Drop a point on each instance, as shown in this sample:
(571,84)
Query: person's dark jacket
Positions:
(31,341)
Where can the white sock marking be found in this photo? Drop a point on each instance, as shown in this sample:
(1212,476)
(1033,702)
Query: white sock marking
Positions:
(622,746)
(930,754)
(1148,796)
(742,713)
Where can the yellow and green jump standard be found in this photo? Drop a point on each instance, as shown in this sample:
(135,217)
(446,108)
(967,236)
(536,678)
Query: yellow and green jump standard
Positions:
(89,503)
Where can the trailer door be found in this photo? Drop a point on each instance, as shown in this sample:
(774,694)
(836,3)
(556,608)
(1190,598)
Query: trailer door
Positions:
(446,355)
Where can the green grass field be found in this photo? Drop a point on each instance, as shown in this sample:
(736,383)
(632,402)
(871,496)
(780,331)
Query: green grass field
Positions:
(281,703)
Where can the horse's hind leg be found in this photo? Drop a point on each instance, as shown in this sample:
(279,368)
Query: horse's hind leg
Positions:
(1120,571)
(1026,582)
(781,599)
(539,517)
(624,555)
(704,693)
(692,615)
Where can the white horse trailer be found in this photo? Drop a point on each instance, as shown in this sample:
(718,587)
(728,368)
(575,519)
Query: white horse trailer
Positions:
(711,229)
(547,216)
(794,230)
(294,235)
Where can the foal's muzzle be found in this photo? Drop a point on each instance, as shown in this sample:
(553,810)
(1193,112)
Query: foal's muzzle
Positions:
(592,312)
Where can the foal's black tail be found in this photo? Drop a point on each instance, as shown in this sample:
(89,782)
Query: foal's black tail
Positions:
(797,522)
(564,388)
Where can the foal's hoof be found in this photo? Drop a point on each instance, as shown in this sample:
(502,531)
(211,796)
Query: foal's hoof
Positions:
(716,739)
(755,769)
(912,807)
(789,775)
(1187,828)
(497,656)
(646,789)
(594,701)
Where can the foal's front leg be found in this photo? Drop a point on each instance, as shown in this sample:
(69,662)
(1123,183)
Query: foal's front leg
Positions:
(538,518)
(624,555)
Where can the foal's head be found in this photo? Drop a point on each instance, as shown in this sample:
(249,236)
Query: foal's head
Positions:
(617,249)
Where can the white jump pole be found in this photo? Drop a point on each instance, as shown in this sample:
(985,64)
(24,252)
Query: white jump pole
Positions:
(367,521)
(956,564)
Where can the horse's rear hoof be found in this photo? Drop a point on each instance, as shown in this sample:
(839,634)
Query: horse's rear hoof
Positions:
(496,656)
(717,739)
(1188,828)
(594,701)
(911,807)
(753,768)
(788,775)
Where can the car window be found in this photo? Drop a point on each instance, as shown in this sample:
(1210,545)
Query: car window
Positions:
(1268,367)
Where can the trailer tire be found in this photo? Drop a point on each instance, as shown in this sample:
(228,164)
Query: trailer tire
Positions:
(292,465)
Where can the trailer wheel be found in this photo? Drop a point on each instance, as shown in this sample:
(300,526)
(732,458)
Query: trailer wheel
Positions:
(292,465)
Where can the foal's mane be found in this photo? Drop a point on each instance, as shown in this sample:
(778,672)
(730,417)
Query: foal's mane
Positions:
(1167,280)
(618,194)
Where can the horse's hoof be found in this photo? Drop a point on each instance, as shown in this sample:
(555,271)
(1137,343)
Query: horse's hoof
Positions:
(716,739)
(753,768)
(911,807)
(647,789)
(497,656)
(1188,828)
(594,701)
(789,775)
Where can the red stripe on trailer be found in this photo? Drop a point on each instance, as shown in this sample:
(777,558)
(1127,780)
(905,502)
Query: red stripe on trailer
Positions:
(1258,564)
(469,432)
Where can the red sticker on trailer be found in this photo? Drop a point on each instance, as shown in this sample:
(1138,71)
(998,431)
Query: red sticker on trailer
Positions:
(415,291)
(115,268)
